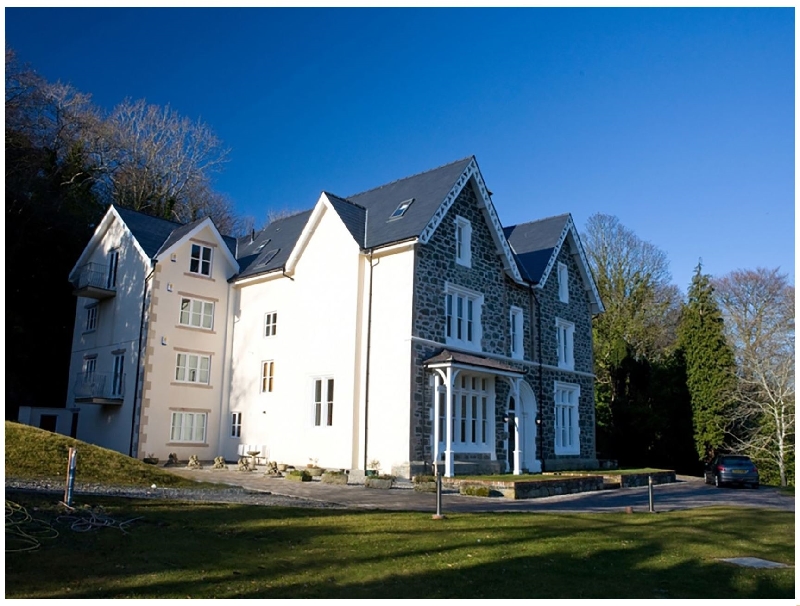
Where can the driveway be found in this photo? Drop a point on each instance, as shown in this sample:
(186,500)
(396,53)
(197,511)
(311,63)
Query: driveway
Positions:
(687,493)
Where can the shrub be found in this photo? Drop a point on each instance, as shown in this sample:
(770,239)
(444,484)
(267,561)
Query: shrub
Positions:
(298,475)
(422,479)
(475,491)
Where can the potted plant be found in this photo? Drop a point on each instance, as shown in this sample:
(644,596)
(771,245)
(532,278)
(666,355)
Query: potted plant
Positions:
(313,469)
(298,475)
(372,467)
(334,477)
(151,459)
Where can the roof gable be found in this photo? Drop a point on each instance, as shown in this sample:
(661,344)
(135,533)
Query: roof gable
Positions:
(537,245)
(184,232)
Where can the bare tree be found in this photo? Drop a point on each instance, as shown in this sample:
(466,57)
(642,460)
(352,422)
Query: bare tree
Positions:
(758,306)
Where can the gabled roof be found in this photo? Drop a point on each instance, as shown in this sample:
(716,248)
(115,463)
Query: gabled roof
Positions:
(280,235)
(352,215)
(150,232)
(536,246)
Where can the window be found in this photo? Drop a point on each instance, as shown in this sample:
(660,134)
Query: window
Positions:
(401,209)
(192,368)
(564,335)
(89,367)
(270,324)
(323,402)
(516,330)
(91,318)
(566,400)
(113,262)
(197,313)
(267,376)
(471,398)
(236,425)
(118,377)
(563,283)
(463,317)
(463,242)
(188,427)
(200,263)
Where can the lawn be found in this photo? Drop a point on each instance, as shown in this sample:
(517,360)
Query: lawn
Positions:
(178,550)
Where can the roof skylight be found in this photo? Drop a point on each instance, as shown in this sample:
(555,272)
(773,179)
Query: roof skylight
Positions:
(401,209)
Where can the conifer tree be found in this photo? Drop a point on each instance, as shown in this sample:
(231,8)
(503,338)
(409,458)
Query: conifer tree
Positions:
(710,365)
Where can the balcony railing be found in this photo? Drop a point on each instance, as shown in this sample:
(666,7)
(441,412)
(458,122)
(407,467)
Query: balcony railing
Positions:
(92,281)
(99,388)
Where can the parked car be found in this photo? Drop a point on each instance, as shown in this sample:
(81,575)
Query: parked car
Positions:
(732,469)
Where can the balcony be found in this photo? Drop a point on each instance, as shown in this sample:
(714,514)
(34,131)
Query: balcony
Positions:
(91,281)
(99,388)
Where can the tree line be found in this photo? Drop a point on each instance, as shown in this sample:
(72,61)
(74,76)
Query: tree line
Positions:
(677,379)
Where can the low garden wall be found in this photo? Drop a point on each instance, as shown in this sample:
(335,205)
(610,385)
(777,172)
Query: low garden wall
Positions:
(533,489)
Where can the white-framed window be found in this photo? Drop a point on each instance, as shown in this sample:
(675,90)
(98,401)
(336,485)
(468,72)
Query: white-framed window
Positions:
(462,309)
(323,402)
(113,263)
(516,332)
(197,313)
(463,242)
(91,318)
(567,438)
(270,324)
(267,376)
(563,283)
(89,367)
(200,261)
(118,376)
(236,424)
(472,397)
(192,368)
(564,344)
(188,427)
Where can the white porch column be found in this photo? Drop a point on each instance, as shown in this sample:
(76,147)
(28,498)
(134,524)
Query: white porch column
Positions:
(448,420)
(438,390)
(517,426)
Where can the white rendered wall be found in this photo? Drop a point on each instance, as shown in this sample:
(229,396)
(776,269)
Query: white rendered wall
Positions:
(117,329)
(318,311)
(389,413)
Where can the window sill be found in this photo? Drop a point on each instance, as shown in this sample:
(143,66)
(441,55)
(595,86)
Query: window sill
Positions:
(208,331)
(559,453)
(192,444)
(188,384)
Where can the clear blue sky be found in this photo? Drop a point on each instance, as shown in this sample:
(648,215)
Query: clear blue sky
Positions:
(678,121)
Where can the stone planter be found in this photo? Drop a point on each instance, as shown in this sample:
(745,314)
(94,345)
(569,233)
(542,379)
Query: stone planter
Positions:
(425,486)
(381,483)
(334,478)
(298,477)
(282,467)
(314,472)
(151,460)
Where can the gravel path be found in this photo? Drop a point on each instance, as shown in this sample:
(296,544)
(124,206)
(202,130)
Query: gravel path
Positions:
(219,495)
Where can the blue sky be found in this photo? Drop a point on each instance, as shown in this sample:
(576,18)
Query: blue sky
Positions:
(678,121)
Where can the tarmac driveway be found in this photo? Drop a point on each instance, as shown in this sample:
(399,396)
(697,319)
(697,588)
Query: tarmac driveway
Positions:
(687,493)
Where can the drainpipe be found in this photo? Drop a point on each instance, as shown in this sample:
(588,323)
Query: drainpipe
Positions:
(136,393)
(539,420)
(366,369)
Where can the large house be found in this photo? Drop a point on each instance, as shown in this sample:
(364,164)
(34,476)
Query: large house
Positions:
(392,328)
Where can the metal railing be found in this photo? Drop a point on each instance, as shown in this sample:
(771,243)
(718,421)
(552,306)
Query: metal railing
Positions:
(99,385)
(93,275)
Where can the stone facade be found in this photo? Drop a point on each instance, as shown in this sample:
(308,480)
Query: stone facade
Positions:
(436,266)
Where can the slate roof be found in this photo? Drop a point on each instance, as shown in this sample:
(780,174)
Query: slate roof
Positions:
(272,245)
(353,216)
(150,232)
(533,244)
(448,357)
(428,189)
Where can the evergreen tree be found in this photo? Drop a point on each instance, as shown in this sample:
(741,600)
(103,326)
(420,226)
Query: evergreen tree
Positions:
(710,365)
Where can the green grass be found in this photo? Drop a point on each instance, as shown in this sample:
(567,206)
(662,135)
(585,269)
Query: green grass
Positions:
(32,453)
(179,550)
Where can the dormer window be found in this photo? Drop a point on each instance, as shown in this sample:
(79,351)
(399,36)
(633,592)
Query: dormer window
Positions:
(463,242)
(563,283)
(200,262)
(401,209)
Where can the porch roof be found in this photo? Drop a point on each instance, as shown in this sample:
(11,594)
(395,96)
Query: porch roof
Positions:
(463,360)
